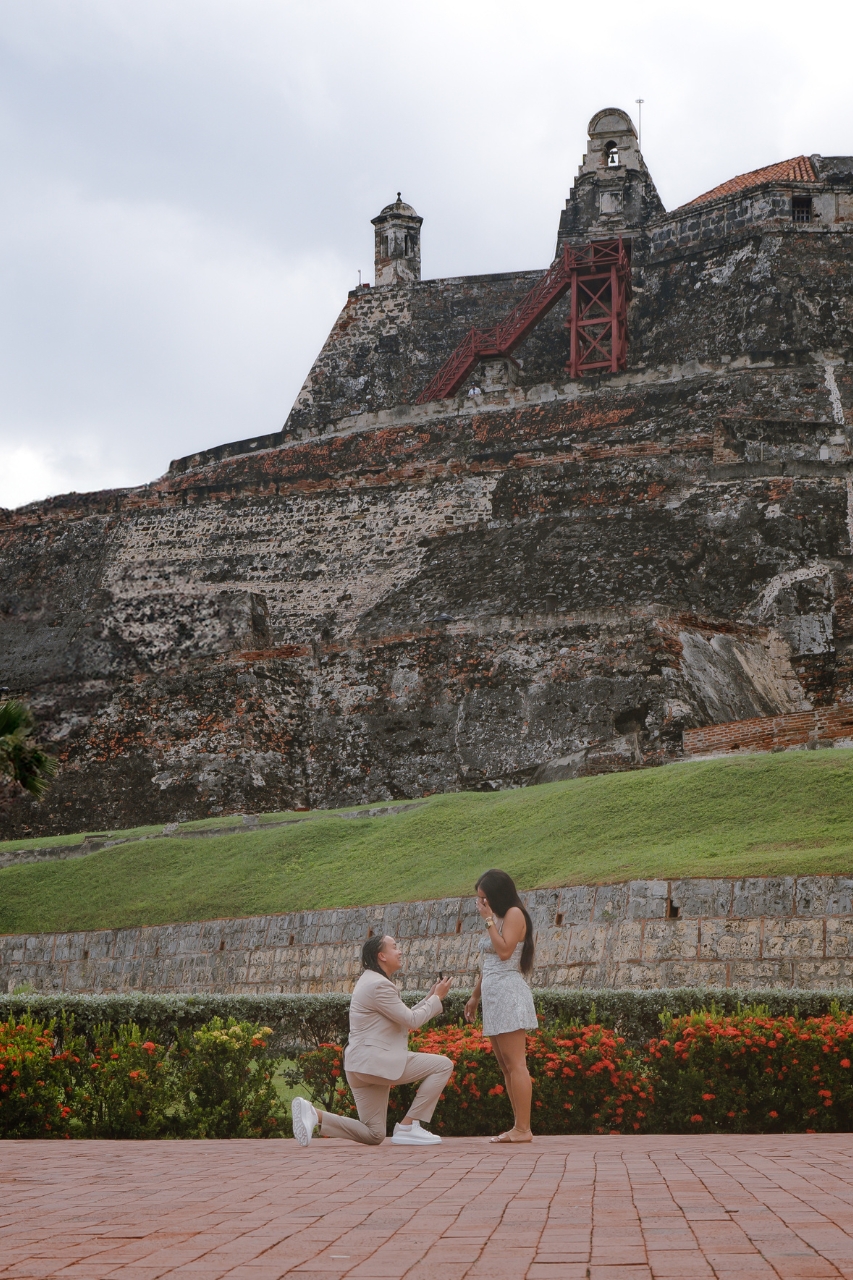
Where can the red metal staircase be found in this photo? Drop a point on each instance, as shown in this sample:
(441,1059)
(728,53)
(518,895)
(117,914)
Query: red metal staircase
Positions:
(599,278)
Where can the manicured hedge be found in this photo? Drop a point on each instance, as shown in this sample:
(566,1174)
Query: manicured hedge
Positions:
(302,1021)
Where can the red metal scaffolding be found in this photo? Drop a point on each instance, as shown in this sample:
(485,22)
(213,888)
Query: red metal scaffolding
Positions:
(599,278)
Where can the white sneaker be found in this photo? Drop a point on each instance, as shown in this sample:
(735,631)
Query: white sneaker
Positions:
(305,1120)
(412,1135)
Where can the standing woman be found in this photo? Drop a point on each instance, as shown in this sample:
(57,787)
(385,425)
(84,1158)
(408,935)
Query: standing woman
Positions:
(508,1009)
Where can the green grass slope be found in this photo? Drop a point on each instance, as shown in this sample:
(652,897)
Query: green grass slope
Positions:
(790,813)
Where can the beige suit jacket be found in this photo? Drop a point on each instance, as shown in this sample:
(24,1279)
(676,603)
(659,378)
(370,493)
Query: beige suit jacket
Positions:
(379,1026)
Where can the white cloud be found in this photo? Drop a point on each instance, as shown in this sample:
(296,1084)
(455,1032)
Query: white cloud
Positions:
(189,183)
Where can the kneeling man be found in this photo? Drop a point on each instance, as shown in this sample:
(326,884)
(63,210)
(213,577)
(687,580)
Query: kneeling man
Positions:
(377,1057)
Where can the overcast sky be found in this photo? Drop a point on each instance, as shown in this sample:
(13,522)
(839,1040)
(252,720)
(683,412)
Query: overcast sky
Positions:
(188,184)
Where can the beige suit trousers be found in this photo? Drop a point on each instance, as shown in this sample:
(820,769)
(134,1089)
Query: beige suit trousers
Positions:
(371,1098)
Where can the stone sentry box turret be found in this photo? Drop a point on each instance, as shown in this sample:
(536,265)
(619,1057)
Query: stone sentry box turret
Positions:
(398,244)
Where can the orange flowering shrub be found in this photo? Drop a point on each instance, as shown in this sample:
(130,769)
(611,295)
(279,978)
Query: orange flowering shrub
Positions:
(36,1081)
(127,1086)
(750,1073)
(322,1070)
(585,1080)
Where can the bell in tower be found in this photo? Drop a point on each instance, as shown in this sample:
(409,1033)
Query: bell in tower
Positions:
(398,244)
(613,194)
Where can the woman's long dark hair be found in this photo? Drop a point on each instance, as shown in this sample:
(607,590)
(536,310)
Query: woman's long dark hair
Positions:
(502,894)
(370,954)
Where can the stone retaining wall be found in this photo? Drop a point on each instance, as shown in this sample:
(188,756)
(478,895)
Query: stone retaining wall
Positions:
(754,932)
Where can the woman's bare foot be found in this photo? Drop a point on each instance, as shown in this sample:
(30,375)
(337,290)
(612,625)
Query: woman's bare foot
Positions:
(514,1135)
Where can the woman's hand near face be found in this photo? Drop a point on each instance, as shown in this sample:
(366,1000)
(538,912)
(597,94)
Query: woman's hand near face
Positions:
(483,907)
(514,929)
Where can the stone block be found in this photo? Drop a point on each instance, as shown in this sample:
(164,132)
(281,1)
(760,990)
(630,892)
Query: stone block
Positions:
(586,944)
(670,940)
(611,902)
(573,977)
(822,974)
(282,929)
(576,903)
(251,932)
(443,917)
(126,943)
(825,896)
(190,937)
(788,938)
(67,946)
(839,937)
(100,943)
(647,899)
(650,977)
(543,905)
(702,898)
(552,946)
(764,896)
(722,939)
(761,973)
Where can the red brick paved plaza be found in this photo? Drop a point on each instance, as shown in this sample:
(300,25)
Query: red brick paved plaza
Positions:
(563,1209)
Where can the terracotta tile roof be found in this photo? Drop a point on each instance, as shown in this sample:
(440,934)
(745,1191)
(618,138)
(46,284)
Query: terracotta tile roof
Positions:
(797,170)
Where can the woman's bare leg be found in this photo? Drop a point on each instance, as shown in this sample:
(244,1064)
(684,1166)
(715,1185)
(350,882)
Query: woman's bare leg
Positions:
(512,1051)
(496,1049)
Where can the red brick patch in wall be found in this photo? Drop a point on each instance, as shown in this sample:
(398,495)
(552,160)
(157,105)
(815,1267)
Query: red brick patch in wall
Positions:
(763,733)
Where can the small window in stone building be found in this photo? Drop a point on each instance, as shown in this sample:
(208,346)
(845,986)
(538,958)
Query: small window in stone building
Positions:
(801,208)
(612,153)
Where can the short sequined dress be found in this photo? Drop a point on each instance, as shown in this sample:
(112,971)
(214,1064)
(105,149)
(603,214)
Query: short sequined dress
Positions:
(507,999)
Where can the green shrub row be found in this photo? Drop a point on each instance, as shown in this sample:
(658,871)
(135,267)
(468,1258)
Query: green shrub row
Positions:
(299,1022)
(123,1082)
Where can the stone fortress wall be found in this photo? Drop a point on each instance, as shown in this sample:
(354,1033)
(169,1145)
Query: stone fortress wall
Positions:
(534,581)
(753,933)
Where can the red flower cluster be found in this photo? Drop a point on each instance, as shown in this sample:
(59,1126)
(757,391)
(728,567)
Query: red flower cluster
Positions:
(34,1082)
(753,1073)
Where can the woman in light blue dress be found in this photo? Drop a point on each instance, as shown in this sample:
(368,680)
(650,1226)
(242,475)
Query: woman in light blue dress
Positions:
(508,1009)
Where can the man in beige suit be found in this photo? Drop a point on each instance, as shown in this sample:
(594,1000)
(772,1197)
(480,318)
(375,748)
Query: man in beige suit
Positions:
(377,1057)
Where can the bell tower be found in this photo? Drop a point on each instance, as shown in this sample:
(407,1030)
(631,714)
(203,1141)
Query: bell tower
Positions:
(613,194)
(397,244)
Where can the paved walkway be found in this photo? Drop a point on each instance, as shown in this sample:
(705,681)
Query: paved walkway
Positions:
(563,1209)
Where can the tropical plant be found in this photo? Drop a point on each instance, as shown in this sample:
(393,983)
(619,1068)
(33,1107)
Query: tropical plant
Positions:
(22,761)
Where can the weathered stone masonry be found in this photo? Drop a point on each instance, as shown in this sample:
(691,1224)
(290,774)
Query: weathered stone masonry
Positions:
(762,932)
(538,580)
